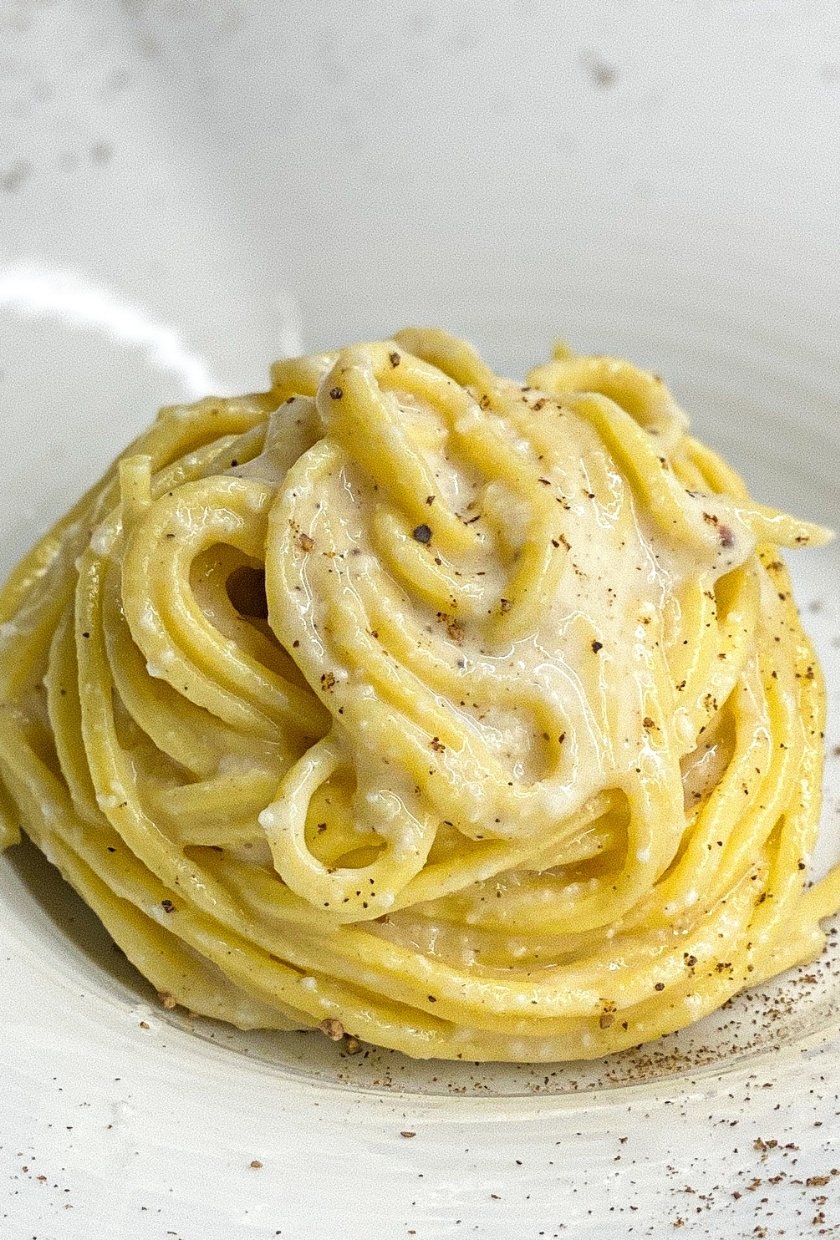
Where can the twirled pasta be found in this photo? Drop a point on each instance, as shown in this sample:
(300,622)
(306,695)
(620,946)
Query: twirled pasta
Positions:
(472,718)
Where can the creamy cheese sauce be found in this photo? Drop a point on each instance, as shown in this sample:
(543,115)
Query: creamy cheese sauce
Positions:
(411,703)
(560,708)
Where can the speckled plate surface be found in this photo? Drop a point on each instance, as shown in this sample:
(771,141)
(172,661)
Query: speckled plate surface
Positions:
(188,189)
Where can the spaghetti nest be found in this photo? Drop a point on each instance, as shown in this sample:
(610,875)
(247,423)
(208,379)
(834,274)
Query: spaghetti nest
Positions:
(472,718)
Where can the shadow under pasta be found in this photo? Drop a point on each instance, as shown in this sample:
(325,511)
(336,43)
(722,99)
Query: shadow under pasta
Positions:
(796,1010)
(54,914)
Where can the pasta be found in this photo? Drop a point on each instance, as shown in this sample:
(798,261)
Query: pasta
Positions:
(470,718)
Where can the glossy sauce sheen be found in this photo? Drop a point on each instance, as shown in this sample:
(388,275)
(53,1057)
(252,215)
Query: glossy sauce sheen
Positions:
(470,718)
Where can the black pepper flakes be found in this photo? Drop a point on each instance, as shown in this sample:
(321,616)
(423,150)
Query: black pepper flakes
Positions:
(336,393)
(422,534)
(596,646)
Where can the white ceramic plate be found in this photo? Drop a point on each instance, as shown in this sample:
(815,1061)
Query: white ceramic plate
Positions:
(188,189)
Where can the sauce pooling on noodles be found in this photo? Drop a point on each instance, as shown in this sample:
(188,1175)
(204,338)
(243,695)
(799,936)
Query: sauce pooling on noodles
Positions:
(471,718)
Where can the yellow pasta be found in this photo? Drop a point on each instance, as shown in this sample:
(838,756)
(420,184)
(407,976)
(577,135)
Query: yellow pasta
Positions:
(470,718)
